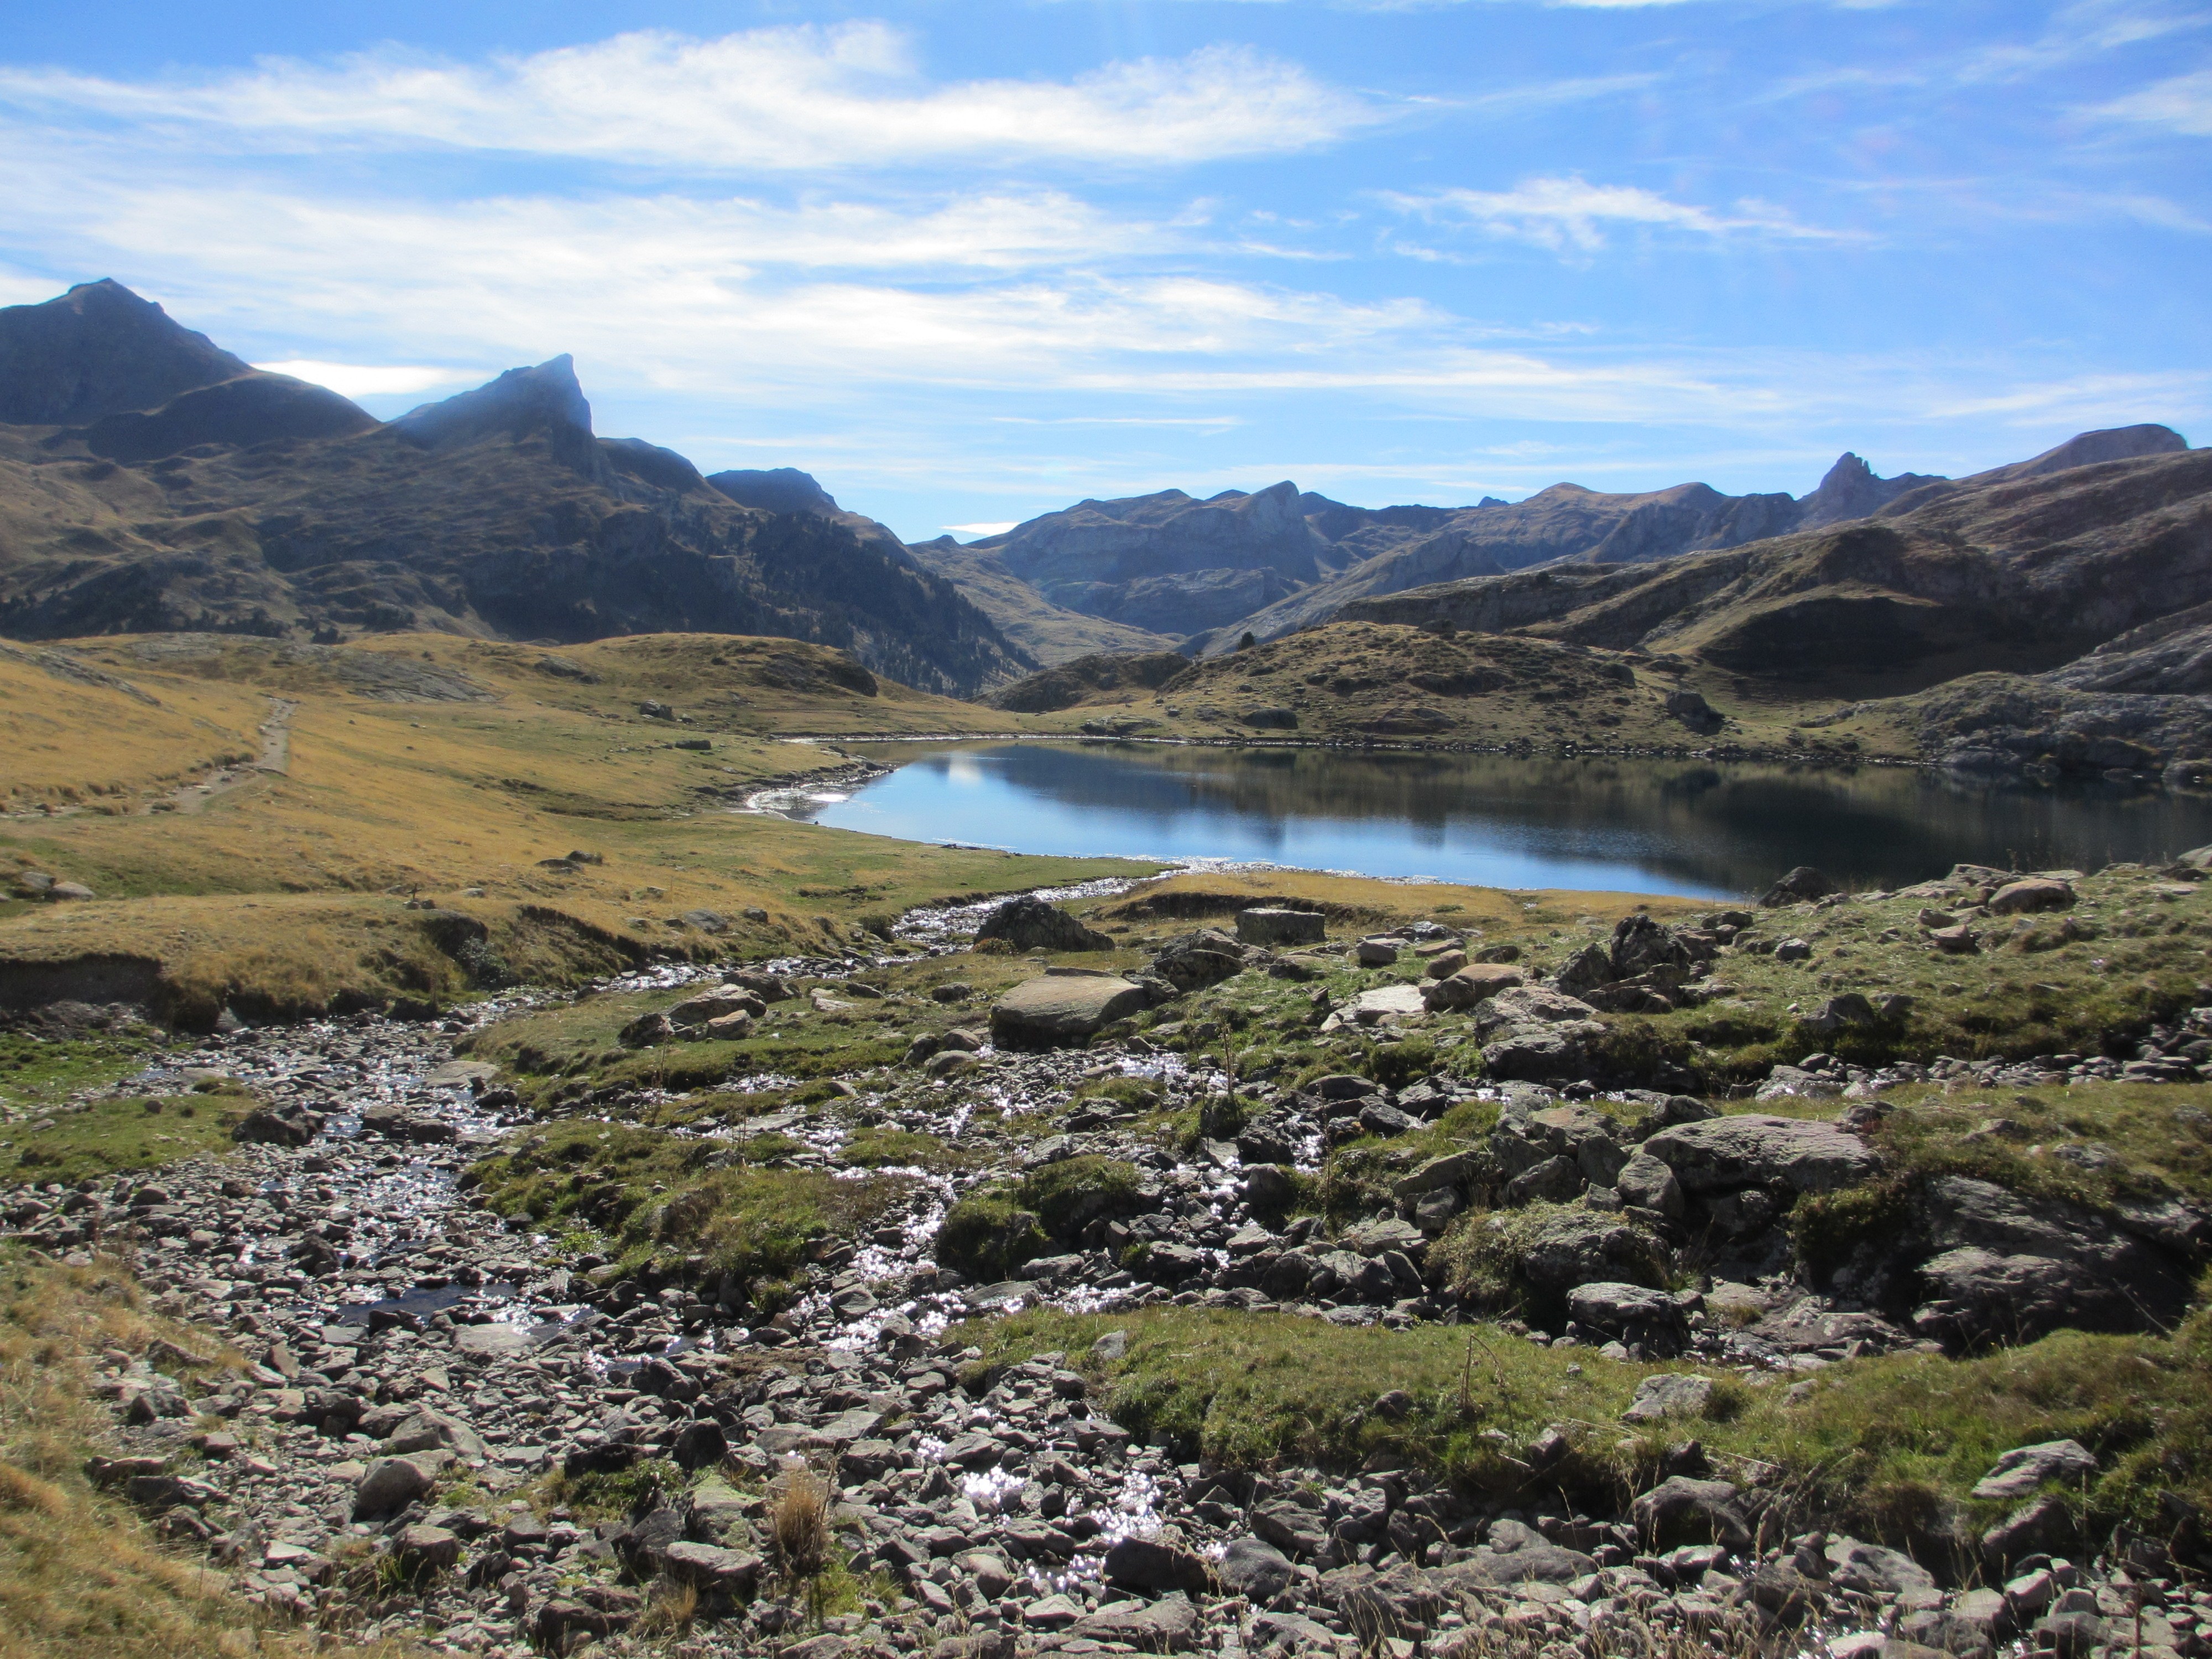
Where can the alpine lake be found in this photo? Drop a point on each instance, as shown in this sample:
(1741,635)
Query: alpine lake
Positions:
(1685,826)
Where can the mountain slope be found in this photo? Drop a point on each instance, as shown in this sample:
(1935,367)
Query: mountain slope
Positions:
(258,504)
(2027,572)
(1049,633)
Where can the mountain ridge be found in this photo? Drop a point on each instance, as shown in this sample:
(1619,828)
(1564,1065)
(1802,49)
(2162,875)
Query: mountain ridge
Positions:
(195,492)
(1168,558)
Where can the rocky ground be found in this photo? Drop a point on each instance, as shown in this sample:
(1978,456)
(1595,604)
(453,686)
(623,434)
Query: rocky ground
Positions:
(459,1429)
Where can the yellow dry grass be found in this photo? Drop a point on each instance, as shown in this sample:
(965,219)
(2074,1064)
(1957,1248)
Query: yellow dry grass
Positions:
(71,743)
(291,889)
(80,1575)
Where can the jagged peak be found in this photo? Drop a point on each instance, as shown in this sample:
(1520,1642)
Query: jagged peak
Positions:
(544,395)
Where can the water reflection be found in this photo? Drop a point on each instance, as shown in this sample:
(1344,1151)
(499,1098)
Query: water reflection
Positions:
(1686,827)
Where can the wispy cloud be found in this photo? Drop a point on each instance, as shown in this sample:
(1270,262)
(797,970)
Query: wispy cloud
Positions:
(848,94)
(371,380)
(1570,214)
(2182,104)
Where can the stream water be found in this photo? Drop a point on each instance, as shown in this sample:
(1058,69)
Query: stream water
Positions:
(1686,827)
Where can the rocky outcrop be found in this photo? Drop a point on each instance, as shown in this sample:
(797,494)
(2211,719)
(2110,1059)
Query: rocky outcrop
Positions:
(1029,924)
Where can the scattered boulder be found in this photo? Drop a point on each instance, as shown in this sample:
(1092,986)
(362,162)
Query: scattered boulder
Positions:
(1755,1150)
(1800,886)
(1028,923)
(279,1126)
(1194,961)
(2036,893)
(1669,1393)
(390,1484)
(1062,1011)
(1474,983)
(1157,1565)
(647,1031)
(1256,1569)
(1684,1510)
(1273,925)
(2021,1471)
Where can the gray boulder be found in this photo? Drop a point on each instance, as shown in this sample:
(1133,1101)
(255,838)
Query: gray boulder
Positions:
(1256,1569)
(2024,1469)
(390,1484)
(1062,1011)
(1753,1150)
(1191,962)
(1669,1393)
(1155,1564)
(1271,925)
(1572,1246)
(1029,923)
(1800,885)
(1512,1555)
(1686,1511)
(1163,1627)
(2011,1269)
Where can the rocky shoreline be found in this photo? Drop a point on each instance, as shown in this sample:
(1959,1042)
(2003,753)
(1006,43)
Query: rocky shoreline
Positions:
(433,1394)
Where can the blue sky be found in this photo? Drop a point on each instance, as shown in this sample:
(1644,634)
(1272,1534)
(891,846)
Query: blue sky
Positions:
(968,262)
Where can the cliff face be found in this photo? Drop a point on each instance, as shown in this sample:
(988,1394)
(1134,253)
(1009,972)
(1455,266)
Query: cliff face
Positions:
(254,504)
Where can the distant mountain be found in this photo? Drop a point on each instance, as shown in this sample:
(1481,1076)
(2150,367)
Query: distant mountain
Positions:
(1276,560)
(2098,575)
(99,350)
(150,481)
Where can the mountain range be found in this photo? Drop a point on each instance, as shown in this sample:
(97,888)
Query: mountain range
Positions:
(151,481)
(1201,575)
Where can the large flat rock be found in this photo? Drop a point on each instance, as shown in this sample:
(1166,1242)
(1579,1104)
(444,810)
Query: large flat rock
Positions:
(1062,1011)
(1724,1153)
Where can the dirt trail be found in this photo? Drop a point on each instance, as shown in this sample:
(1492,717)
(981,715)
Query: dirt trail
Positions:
(275,758)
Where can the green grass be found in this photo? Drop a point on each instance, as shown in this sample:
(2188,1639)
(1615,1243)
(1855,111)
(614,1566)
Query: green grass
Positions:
(109,1137)
(1888,1448)
(666,1206)
(41,1072)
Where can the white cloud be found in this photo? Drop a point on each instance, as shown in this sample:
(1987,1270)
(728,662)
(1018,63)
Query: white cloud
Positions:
(976,530)
(2182,104)
(806,97)
(1570,213)
(370,381)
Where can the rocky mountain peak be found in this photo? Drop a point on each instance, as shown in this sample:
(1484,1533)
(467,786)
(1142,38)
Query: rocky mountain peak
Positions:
(775,490)
(99,350)
(544,399)
(1852,489)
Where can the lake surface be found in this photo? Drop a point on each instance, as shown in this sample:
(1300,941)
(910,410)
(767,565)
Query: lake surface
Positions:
(1649,826)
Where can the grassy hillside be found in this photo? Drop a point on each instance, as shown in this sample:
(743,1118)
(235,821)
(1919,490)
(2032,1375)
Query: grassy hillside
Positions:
(439,768)
(1391,683)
